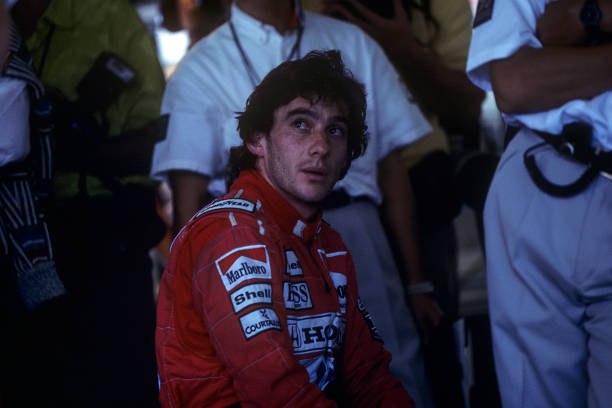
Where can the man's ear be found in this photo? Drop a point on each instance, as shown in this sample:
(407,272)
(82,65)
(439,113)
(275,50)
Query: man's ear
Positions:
(256,146)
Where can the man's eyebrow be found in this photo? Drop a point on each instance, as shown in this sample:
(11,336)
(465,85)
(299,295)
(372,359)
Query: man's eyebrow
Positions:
(313,114)
(301,111)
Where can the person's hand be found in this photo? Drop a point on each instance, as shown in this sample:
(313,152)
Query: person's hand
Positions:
(560,24)
(392,34)
(427,313)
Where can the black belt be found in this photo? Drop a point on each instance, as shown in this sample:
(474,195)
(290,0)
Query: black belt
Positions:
(573,142)
(340,198)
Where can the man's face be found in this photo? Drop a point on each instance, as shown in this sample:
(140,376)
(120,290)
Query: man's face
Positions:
(305,152)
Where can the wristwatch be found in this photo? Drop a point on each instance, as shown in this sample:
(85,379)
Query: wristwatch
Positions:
(590,16)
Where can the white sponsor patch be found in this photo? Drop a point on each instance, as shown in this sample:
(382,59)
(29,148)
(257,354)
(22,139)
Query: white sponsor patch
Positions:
(336,262)
(259,321)
(251,295)
(242,264)
(294,267)
(321,370)
(298,228)
(369,321)
(296,295)
(229,203)
(324,332)
(339,280)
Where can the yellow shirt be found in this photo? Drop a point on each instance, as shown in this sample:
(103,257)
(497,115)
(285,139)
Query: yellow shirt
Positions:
(82,30)
(450,44)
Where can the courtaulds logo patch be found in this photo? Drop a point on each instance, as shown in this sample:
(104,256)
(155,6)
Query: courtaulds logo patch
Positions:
(242,264)
(259,321)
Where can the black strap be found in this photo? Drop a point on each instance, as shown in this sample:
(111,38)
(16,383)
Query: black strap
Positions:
(556,190)
(574,142)
(295,50)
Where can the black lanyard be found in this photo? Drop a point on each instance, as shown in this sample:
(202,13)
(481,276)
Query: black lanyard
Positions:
(295,50)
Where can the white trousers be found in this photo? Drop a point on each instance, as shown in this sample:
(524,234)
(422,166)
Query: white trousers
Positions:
(549,271)
(381,291)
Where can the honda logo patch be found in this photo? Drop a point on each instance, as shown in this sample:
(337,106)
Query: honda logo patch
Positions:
(324,332)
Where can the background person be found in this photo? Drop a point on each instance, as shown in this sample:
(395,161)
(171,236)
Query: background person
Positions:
(30,286)
(428,43)
(99,65)
(547,215)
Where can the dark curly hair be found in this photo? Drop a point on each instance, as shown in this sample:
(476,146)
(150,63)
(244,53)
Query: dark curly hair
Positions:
(320,75)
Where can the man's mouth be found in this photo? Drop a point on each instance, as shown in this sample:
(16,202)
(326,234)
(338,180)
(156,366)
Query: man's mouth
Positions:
(315,171)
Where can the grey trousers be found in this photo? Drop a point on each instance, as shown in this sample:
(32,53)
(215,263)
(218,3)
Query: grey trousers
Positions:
(549,271)
(381,291)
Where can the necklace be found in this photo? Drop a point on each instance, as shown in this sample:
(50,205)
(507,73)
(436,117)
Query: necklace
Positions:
(295,50)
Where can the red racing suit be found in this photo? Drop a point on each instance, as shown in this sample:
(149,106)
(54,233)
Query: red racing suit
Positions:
(257,307)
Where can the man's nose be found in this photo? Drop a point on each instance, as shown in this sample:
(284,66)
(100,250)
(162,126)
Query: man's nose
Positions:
(319,143)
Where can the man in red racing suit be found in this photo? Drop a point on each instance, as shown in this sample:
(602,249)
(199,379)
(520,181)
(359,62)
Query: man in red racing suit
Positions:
(258,304)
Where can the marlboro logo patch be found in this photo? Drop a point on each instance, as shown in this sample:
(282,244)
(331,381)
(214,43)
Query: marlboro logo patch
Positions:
(242,264)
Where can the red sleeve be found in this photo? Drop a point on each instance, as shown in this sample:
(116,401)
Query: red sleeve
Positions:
(367,380)
(249,335)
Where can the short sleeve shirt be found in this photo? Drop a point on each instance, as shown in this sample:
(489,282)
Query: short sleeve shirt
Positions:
(505,26)
(212,83)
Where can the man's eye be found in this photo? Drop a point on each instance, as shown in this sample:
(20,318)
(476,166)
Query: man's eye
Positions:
(337,131)
(300,124)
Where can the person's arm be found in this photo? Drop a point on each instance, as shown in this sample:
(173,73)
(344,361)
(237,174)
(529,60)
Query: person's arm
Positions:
(252,342)
(446,92)
(399,209)
(537,79)
(189,194)
(560,24)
